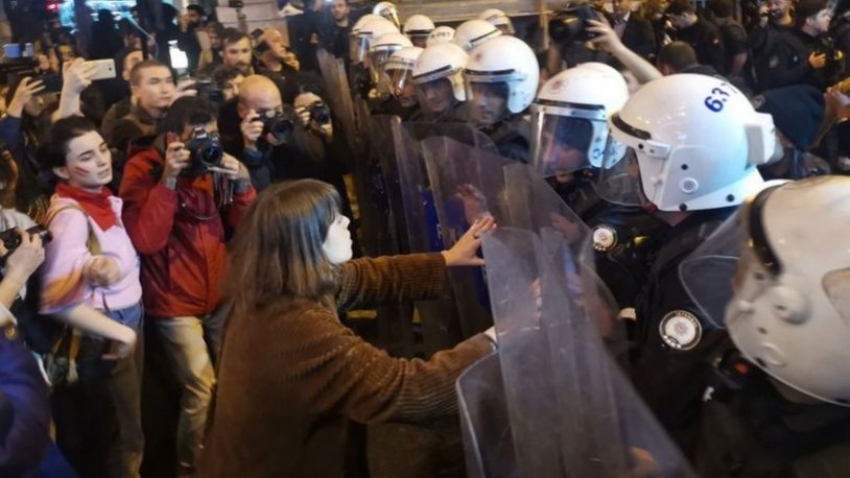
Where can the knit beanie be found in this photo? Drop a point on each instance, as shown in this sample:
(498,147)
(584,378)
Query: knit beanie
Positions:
(797,112)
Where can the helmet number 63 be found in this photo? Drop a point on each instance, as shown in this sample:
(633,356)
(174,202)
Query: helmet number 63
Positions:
(716,100)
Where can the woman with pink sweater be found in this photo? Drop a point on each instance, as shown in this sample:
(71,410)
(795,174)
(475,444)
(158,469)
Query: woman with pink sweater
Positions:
(90,280)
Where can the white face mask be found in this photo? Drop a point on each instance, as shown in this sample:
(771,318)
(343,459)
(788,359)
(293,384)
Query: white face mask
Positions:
(337,245)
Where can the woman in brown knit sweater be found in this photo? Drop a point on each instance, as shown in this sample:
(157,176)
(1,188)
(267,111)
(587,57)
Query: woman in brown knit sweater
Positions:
(291,377)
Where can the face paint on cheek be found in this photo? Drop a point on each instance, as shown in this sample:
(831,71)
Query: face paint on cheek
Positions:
(81,170)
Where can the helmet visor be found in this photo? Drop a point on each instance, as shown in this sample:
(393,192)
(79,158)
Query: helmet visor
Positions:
(378,58)
(567,139)
(715,270)
(630,158)
(358,48)
(397,78)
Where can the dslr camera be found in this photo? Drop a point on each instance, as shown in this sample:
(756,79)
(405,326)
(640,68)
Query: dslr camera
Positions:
(320,113)
(12,240)
(570,25)
(205,151)
(278,124)
(207,88)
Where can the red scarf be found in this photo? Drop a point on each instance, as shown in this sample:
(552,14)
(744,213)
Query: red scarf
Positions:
(97,205)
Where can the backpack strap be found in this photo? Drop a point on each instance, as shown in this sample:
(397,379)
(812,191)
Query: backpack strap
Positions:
(92,242)
(72,333)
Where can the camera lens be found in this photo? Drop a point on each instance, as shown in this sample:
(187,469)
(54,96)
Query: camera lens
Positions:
(281,129)
(320,114)
(211,155)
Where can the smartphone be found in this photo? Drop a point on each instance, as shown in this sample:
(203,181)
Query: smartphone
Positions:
(52,83)
(104,69)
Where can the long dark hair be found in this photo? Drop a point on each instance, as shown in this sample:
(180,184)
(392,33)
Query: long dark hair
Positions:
(277,250)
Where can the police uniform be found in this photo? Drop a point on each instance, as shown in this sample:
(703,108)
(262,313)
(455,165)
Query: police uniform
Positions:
(624,238)
(672,340)
(749,430)
(781,58)
(707,42)
(511,138)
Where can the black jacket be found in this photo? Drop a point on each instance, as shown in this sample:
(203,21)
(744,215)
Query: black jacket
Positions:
(639,36)
(706,40)
(670,379)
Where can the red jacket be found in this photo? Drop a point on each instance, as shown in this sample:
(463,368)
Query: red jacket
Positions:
(179,235)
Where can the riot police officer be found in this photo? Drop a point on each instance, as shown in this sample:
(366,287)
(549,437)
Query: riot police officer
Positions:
(693,181)
(397,74)
(438,76)
(779,403)
(501,79)
(569,138)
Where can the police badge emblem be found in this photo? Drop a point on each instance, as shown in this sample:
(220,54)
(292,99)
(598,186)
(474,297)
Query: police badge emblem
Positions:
(604,238)
(680,330)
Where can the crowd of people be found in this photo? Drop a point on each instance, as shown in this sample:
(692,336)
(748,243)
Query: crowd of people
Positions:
(210,217)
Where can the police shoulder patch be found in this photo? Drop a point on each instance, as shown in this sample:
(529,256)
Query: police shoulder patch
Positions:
(604,238)
(680,330)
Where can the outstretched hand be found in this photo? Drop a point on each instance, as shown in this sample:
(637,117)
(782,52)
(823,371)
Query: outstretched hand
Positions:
(463,253)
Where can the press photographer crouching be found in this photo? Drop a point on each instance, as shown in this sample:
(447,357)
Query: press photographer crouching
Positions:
(257,127)
(179,196)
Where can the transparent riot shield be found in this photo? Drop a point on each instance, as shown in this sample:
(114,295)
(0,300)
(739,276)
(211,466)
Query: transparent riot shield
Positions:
(380,208)
(339,95)
(467,183)
(416,219)
(557,404)
(708,272)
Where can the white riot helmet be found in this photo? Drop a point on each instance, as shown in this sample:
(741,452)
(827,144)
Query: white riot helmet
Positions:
(364,32)
(382,47)
(418,28)
(472,33)
(570,117)
(444,60)
(398,71)
(790,314)
(507,64)
(697,141)
(498,19)
(441,34)
(387,10)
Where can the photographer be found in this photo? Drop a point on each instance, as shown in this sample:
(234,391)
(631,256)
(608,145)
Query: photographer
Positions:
(179,196)
(257,128)
(91,281)
(326,150)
